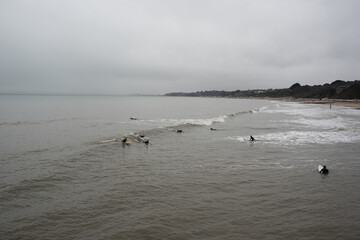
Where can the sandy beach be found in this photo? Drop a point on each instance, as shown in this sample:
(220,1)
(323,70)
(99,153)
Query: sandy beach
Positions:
(330,103)
(344,103)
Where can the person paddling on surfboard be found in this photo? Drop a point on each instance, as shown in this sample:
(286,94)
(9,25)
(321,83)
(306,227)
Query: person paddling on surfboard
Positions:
(324,170)
(252,138)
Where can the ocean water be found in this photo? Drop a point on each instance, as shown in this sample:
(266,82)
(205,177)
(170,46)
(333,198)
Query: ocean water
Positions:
(65,174)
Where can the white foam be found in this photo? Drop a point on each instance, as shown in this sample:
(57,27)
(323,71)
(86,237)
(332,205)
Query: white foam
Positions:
(204,122)
(305,137)
(109,140)
(308,124)
(318,123)
(238,138)
(199,122)
(311,116)
(264,108)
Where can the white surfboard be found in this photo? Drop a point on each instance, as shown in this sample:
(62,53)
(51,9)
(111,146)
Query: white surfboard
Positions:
(320,167)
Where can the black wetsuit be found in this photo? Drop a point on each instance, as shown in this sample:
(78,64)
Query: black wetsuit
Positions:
(324,171)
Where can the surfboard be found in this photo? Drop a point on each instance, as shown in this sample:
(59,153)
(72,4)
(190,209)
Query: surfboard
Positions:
(320,167)
(127,143)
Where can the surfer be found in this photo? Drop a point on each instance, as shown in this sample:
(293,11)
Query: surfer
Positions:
(179,131)
(143,139)
(133,118)
(124,140)
(212,129)
(324,170)
(252,138)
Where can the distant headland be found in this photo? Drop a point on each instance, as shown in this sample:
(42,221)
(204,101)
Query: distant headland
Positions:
(339,89)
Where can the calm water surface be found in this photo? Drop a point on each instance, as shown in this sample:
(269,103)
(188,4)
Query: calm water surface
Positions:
(66,175)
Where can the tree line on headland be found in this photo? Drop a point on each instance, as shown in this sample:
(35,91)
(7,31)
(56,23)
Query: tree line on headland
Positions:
(336,90)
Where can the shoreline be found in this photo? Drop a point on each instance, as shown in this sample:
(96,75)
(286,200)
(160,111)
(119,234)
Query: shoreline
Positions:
(343,103)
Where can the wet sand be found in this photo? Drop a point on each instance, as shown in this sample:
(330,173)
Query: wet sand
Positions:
(352,104)
(336,103)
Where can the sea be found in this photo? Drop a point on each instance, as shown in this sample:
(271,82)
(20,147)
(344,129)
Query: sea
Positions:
(66,174)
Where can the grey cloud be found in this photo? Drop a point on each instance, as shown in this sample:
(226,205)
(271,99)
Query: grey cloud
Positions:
(159,46)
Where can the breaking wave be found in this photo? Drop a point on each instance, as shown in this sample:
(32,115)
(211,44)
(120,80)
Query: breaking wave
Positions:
(158,126)
(304,137)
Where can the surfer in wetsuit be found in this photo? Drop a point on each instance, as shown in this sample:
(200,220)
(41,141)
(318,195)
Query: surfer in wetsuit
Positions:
(252,138)
(142,138)
(124,139)
(324,170)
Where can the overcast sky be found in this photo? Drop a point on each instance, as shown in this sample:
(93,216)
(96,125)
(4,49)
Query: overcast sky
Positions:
(161,46)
